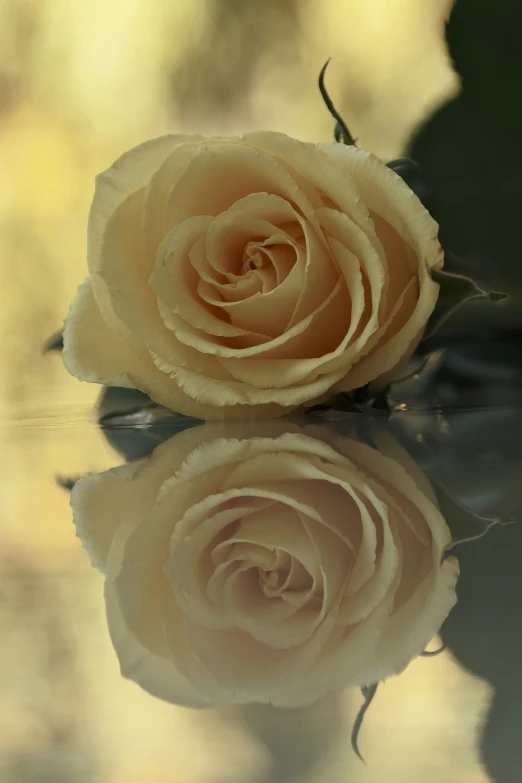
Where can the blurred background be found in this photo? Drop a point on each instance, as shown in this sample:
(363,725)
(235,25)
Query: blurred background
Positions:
(79,84)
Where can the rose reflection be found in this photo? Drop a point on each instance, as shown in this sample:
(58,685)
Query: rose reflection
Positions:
(268,562)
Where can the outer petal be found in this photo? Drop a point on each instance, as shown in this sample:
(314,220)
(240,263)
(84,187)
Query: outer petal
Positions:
(94,351)
(153,673)
(397,338)
(240,170)
(411,628)
(419,617)
(114,502)
(311,164)
(386,194)
(99,353)
(128,173)
(101,502)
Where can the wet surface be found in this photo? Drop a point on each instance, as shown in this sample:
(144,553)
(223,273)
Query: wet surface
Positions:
(69,714)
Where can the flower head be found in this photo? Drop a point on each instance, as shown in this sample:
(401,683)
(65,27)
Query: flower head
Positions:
(244,277)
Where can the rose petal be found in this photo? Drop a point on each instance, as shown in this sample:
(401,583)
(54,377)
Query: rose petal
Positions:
(81,354)
(386,194)
(343,658)
(273,622)
(251,670)
(154,673)
(241,171)
(174,276)
(126,277)
(190,564)
(129,173)
(159,185)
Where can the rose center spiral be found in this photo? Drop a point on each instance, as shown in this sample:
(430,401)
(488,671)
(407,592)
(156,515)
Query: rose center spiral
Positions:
(255,256)
(286,575)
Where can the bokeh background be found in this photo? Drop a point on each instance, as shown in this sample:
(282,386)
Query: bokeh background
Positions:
(80,83)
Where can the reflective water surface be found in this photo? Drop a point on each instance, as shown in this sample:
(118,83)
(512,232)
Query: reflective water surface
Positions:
(68,715)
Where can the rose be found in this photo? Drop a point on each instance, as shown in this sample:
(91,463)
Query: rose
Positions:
(247,276)
(265,563)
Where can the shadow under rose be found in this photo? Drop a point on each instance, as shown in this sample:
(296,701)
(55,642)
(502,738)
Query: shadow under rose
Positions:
(298,742)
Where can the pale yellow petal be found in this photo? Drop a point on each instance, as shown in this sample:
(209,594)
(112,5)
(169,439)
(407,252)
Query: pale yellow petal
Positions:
(101,502)
(159,185)
(152,672)
(240,171)
(129,173)
(95,352)
(384,192)
(190,564)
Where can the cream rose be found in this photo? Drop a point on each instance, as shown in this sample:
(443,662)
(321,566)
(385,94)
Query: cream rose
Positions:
(265,563)
(237,277)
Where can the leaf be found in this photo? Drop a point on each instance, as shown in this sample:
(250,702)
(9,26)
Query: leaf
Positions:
(54,343)
(67,482)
